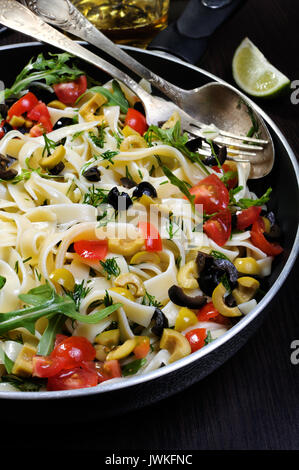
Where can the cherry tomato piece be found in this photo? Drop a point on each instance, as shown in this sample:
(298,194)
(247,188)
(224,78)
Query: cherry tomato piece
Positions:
(196,338)
(69,92)
(258,239)
(152,237)
(142,349)
(136,121)
(211,193)
(209,313)
(37,130)
(23,105)
(74,378)
(73,351)
(91,249)
(109,370)
(218,227)
(233,181)
(45,366)
(247,217)
(40,113)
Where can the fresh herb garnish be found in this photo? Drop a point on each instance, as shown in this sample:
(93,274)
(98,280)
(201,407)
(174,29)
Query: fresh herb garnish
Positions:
(151,300)
(108,155)
(115,98)
(208,338)
(176,139)
(226,283)
(133,367)
(53,70)
(111,267)
(244,203)
(2,282)
(44,302)
(46,343)
(98,140)
(31,384)
(180,184)
(49,145)
(95,196)
(218,255)
(80,292)
(8,363)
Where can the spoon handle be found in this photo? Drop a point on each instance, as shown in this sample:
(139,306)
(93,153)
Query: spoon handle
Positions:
(64,15)
(18,17)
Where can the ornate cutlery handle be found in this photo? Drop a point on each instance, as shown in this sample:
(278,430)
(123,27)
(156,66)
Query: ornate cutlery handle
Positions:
(64,15)
(16,16)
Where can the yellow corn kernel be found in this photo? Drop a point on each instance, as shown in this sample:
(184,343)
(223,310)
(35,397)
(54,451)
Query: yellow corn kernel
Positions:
(64,278)
(125,247)
(56,104)
(247,265)
(52,160)
(185,319)
(145,257)
(88,110)
(123,350)
(23,365)
(124,292)
(127,130)
(132,142)
(108,338)
(13,147)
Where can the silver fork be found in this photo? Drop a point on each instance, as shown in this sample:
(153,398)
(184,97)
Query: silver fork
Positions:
(20,18)
(64,15)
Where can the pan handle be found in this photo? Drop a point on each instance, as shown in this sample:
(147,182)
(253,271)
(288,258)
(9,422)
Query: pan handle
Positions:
(187,38)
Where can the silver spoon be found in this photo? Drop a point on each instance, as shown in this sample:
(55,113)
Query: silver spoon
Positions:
(220,103)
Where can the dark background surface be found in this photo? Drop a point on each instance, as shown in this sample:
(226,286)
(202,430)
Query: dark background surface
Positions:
(251,402)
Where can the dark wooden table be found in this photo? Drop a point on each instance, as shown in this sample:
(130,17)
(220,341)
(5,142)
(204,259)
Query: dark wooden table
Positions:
(251,402)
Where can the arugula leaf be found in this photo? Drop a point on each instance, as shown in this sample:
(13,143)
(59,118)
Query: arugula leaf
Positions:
(8,363)
(180,184)
(244,203)
(53,70)
(133,367)
(176,139)
(117,98)
(45,302)
(2,281)
(47,340)
(208,338)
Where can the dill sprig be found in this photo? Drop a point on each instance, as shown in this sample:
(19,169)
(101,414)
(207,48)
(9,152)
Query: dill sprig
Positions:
(111,267)
(95,196)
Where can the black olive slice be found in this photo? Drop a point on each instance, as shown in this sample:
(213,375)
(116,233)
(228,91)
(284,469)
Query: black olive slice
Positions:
(57,169)
(178,297)
(144,188)
(128,183)
(92,174)
(160,322)
(119,201)
(62,122)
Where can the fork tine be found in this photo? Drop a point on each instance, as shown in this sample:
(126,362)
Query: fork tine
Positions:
(198,133)
(199,125)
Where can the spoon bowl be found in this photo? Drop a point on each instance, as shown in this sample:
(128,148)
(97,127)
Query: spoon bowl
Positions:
(213,103)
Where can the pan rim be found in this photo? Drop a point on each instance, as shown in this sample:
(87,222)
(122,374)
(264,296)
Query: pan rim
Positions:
(236,329)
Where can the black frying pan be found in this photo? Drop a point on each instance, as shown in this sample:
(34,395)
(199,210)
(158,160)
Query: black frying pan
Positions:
(144,390)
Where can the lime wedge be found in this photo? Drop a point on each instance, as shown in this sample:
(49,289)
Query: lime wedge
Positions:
(254,74)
